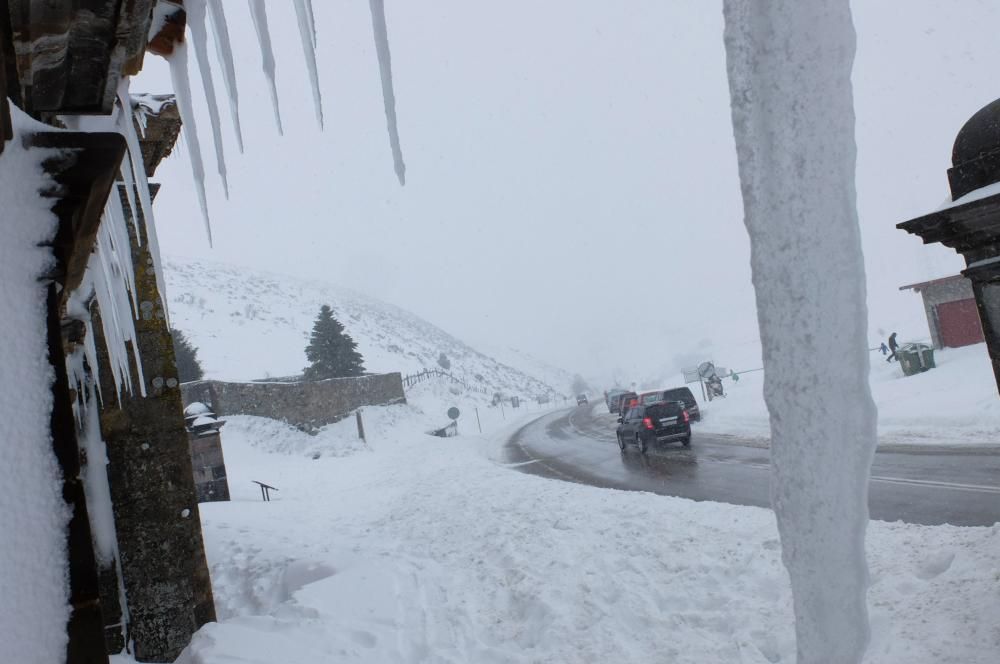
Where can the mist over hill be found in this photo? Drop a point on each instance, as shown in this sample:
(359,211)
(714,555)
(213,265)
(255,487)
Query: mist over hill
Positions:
(249,325)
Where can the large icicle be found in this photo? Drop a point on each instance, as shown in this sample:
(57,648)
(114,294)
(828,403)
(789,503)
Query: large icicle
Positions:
(307,35)
(127,128)
(259,14)
(388,96)
(224,51)
(789,64)
(182,88)
(199,35)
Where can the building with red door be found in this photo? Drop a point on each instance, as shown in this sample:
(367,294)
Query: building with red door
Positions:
(952,315)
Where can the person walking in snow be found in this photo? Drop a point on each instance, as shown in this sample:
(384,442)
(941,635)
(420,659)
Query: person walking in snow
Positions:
(892,348)
(884,349)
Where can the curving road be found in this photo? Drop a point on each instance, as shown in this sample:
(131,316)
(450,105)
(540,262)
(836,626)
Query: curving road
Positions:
(931,486)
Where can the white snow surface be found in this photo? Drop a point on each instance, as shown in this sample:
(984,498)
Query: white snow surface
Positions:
(421,549)
(250,325)
(789,64)
(953,404)
(33,573)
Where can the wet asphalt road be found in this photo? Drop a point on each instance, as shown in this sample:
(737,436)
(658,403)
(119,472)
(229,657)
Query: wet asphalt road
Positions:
(922,485)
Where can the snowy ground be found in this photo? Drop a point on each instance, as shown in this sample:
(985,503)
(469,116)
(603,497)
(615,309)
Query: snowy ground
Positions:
(956,403)
(421,549)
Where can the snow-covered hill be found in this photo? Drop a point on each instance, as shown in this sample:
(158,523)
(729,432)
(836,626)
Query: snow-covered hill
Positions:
(250,325)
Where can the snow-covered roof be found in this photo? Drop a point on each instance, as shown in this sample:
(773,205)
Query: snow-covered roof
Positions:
(933,282)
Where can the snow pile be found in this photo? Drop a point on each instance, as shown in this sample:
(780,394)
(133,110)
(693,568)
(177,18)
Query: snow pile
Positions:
(33,577)
(426,549)
(956,403)
(249,325)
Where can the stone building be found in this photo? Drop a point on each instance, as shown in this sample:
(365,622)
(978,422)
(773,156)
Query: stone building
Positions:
(61,61)
(950,306)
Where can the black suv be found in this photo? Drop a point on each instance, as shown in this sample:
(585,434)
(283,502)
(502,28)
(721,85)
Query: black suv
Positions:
(658,422)
(682,394)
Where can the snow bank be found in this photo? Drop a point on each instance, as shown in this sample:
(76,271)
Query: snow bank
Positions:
(956,403)
(427,549)
(33,576)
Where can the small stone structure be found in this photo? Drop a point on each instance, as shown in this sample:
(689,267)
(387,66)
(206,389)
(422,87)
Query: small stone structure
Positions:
(207,460)
(950,306)
(306,405)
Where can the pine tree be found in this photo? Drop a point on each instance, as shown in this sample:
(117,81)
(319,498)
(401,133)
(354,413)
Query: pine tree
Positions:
(331,351)
(188,366)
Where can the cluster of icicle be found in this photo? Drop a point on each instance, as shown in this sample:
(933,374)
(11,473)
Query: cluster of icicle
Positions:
(110,281)
(208,15)
(110,275)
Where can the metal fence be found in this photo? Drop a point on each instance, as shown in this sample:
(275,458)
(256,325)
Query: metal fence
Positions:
(429,374)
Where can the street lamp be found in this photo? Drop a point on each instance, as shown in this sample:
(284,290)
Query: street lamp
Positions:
(970,223)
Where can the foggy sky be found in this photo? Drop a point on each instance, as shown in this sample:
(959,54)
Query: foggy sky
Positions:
(571,176)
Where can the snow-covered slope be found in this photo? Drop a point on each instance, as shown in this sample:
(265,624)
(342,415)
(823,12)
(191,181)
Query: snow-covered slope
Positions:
(250,325)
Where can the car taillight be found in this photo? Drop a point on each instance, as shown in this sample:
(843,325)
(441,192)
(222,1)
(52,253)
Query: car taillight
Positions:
(687,417)
(647,422)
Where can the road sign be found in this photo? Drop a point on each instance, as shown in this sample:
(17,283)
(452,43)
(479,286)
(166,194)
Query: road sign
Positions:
(453,413)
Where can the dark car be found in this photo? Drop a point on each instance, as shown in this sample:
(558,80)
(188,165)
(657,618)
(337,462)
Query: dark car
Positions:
(682,394)
(656,423)
(581,399)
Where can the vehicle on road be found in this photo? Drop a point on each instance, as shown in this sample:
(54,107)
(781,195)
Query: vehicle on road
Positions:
(613,398)
(626,401)
(646,425)
(682,394)
(581,399)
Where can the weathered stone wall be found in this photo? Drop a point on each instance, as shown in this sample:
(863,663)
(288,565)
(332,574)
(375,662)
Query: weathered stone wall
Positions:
(163,565)
(306,405)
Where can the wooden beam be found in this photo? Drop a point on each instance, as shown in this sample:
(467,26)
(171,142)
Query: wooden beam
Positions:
(84,170)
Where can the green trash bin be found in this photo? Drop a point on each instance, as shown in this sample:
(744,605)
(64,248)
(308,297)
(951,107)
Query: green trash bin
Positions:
(915,358)
(927,358)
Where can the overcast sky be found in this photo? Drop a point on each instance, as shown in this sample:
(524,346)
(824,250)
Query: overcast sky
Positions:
(571,176)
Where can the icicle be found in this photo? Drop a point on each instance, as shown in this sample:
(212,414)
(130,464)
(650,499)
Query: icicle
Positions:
(182,88)
(128,179)
(224,51)
(95,485)
(118,232)
(307,35)
(388,96)
(259,14)
(142,184)
(196,22)
(116,334)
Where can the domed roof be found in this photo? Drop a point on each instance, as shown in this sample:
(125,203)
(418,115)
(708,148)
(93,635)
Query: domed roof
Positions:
(981,134)
(975,157)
